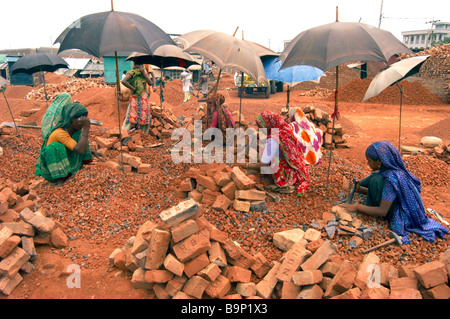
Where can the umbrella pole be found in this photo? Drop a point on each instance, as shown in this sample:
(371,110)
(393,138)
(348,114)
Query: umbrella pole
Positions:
(161,99)
(334,118)
(45,91)
(17,130)
(240,98)
(288,96)
(400,121)
(118,106)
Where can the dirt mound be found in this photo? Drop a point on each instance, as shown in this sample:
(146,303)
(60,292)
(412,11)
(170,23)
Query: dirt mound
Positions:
(414,93)
(52,78)
(440,129)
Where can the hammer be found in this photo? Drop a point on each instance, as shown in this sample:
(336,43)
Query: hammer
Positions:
(395,239)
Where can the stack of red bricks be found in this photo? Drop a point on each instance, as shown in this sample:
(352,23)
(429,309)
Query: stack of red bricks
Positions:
(20,230)
(184,256)
(222,187)
(324,122)
(163,121)
(130,143)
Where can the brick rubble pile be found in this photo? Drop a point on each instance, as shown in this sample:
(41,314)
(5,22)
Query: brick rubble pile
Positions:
(21,229)
(71,86)
(184,256)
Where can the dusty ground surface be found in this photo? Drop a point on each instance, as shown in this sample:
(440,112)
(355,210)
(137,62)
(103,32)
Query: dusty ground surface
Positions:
(102,207)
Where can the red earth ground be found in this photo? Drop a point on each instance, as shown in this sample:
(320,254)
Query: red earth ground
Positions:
(101,208)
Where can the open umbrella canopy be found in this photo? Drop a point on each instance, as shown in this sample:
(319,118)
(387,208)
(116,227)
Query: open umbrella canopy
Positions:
(227,52)
(38,62)
(332,44)
(394,73)
(189,38)
(291,75)
(164,56)
(112,31)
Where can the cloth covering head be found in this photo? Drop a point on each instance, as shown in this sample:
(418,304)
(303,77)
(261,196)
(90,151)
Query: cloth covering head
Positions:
(59,114)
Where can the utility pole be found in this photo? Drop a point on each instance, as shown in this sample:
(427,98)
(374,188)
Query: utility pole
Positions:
(430,33)
(381,14)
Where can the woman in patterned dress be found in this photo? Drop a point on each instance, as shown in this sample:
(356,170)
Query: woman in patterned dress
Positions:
(283,153)
(393,192)
(138,113)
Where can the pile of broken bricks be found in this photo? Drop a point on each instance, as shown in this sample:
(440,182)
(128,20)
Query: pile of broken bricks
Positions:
(183,256)
(21,229)
(224,187)
(343,223)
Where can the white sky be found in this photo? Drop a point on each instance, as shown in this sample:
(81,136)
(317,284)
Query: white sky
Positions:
(36,23)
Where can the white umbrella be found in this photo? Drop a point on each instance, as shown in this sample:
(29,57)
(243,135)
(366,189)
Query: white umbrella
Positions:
(393,74)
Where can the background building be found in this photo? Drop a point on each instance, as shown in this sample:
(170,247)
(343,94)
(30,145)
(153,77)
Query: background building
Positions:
(422,39)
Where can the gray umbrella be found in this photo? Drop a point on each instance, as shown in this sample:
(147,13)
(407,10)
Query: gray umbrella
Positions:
(112,31)
(332,44)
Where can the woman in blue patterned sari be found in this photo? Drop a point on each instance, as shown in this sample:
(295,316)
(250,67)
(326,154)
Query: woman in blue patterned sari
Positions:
(394,193)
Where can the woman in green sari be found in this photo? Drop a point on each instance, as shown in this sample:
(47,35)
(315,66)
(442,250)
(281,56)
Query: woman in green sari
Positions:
(65,131)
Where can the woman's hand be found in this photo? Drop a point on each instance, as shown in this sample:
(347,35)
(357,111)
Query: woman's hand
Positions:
(350,207)
(84,122)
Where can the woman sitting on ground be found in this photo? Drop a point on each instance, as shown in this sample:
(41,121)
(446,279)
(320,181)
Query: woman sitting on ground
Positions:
(283,154)
(393,192)
(65,130)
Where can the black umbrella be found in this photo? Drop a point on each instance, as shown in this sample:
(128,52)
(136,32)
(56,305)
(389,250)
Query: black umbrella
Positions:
(332,44)
(39,62)
(164,56)
(111,32)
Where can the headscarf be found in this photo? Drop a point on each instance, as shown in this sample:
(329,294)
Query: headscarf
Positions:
(59,114)
(309,136)
(294,167)
(409,216)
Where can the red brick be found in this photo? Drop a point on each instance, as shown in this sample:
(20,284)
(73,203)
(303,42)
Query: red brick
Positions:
(289,290)
(209,197)
(218,235)
(184,230)
(219,287)
(261,265)
(195,265)
(229,190)
(222,178)
(320,256)
(195,287)
(379,292)
(175,284)
(172,264)
(221,203)
(441,291)
(157,248)
(241,179)
(208,182)
(217,254)
(192,246)
(343,280)
(307,277)
(160,292)
(238,274)
(9,245)
(311,292)
(210,272)
(405,293)
(232,249)
(291,262)
(158,276)
(431,274)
